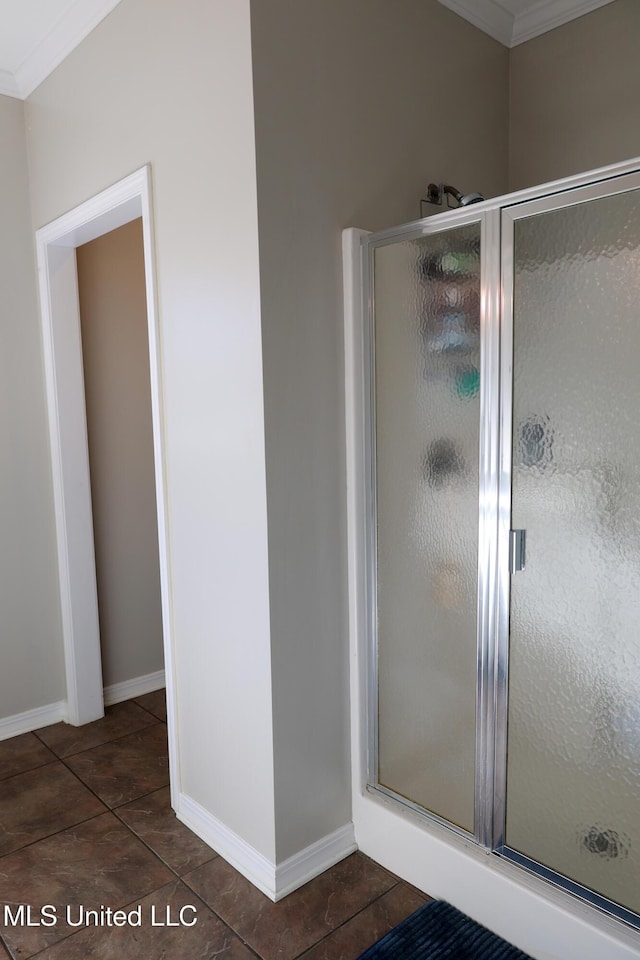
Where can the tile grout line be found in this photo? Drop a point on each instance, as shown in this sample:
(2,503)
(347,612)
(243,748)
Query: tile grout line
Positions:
(5,944)
(54,833)
(175,876)
(142,707)
(107,809)
(123,736)
(179,879)
(101,813)
(148,893)
(148,846)
(36,766)
(221,919)
(78,932)
(297,956)
(63,760)
(345,922)
(138,899)
(30,770)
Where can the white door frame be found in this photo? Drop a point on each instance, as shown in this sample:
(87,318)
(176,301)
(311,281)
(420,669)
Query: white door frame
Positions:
(60,314)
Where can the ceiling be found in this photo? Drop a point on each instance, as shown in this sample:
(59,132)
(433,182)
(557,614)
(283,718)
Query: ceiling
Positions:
(37,35)
(514,21)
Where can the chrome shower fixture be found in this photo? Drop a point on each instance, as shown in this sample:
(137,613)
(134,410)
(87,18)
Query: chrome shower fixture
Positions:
(437,191)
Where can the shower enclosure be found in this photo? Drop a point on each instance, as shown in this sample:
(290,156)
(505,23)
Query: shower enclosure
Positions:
(502,525)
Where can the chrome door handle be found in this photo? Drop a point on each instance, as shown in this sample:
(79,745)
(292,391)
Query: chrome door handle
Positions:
(517,550)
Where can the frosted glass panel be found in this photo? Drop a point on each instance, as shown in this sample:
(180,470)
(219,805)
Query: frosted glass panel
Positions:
(573,778)
(427,361)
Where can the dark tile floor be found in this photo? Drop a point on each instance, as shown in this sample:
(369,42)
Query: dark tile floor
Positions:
(85,819)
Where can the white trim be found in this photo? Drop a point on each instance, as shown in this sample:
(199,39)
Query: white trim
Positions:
(8,85)
(115,206)
(72,28)
(549,14)
(252,864)
(510,30)
(274,880)
(355,469)
(314,860)
(136,687)
(62,349)
(32,719)
(62,354)
(453,217)
(160,467)
(544,922)
(487,15)
(124,201)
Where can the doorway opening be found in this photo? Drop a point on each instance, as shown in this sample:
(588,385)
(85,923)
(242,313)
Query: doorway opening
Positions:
(115,357)
(127,201)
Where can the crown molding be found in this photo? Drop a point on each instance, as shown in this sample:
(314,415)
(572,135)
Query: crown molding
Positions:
(8,85)
(488,15)
(76,24)
(549,14)
(541,16)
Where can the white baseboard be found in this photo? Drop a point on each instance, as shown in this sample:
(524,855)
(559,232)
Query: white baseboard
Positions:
(54,712)
(314,860)
(250,862)
(274,880)
(33,719)
(128,689)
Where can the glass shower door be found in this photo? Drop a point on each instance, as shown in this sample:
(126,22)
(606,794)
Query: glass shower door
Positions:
(573,760)
(425,345)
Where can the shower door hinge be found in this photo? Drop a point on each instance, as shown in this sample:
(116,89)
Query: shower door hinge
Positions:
(517,550)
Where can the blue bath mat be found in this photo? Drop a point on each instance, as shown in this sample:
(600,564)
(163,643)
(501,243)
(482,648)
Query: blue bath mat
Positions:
(438,931)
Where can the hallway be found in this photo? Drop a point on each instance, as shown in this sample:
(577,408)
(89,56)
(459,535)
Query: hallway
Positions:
(85,820)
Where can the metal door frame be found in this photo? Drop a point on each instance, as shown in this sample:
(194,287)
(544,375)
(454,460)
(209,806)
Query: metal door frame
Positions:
(597,190)
(497,218)
(488,462)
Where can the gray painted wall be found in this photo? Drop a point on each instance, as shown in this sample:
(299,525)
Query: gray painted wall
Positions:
(170,84)
(575,96)
(31,659)
(358,106)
